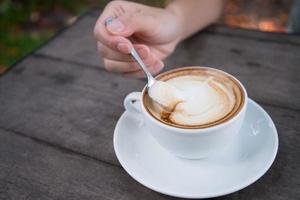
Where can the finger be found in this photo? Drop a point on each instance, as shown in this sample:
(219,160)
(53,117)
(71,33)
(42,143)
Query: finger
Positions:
(147,55)
(152,61)
(120,66)
(130,19)
(143,51)
(118,43)
(111,54)
(130,66)
(119,21)
(157,67)
(123,67)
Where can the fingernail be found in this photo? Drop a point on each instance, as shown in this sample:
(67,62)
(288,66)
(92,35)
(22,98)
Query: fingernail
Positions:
(123,47)
(114,25)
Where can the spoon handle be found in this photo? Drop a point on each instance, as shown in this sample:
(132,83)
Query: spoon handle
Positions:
(138,59)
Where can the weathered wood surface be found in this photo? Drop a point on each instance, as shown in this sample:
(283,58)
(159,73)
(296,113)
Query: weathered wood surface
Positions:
(31,169)
(256,35)
(34,169)
(75,106)
(58,109)
(75,44)
(50,110)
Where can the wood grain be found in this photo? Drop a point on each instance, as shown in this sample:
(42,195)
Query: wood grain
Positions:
(33,170)
(75,44)
(74,106)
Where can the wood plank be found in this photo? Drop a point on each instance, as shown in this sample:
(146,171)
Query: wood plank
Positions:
(76,44)
(254,34)
(269,70)
(36,171)
(30,169)
(77,108)
(95,12)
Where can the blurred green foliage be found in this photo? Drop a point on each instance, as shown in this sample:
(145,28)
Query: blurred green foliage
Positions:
(26,24)
(24,29)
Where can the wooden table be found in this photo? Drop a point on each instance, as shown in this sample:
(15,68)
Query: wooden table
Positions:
(59,107)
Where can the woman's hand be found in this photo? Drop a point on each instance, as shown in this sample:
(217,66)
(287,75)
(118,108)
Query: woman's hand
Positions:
(154,32)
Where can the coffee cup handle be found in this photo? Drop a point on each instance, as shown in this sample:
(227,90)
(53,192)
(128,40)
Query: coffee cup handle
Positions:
(132,102)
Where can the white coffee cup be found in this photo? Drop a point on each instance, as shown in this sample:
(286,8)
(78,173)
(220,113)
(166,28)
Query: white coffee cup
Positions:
(187,143)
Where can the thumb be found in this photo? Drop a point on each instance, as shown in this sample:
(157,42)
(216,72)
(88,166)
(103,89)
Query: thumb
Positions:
(126,26)
(115,26)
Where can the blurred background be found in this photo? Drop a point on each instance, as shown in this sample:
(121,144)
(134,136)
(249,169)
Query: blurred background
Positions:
(27,24)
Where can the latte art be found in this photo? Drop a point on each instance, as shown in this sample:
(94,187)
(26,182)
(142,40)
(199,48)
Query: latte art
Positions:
(205,100)
(167,95)
(195,98)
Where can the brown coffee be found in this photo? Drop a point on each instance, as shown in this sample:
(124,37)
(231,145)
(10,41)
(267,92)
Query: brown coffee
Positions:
(211,97)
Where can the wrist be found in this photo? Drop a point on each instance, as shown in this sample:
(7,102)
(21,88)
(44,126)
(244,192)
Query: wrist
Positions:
(177,17)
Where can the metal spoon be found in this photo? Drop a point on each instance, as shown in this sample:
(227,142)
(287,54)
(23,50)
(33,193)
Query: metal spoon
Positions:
(163,86)
(151,79)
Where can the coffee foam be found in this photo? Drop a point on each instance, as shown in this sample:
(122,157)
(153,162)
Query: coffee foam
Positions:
(200,99)
(165,94)
(205,100)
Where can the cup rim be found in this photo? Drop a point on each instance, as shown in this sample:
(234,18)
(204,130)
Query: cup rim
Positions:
(203,129)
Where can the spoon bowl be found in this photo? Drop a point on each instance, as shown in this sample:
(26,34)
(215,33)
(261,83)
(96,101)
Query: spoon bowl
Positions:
(164,94)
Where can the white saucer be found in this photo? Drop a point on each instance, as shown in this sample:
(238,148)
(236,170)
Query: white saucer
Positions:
(250,156)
